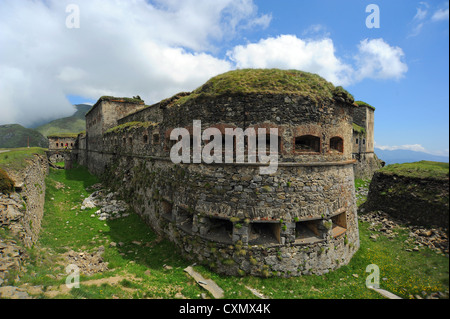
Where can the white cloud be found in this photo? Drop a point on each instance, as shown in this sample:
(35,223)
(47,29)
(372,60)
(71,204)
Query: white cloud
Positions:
(422,11)
(441,14)
(378,60)
(290,52)
(374,59)
(152,49)
(412,147)
(421,18)
(122,48)
(316,30)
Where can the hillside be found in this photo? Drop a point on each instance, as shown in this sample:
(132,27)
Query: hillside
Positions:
(72,124)
(15,135)
(405,156)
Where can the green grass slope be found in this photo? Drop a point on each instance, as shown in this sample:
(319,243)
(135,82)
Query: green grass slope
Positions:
(15,135)
(72,124)
(421,169)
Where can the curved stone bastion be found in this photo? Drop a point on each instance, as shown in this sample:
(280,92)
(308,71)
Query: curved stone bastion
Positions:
(298,220)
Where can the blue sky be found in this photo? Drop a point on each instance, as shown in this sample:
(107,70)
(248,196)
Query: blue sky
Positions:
(160,47)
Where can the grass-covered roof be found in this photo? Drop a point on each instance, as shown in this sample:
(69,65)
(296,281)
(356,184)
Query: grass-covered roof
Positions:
(270,81)
(362,103)
(422,169)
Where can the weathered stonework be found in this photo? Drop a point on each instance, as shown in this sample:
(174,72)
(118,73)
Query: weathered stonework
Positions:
(23,210)
(299,220)
(367,162)
(420,201)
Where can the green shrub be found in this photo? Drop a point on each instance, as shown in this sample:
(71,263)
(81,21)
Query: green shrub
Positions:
(6,183)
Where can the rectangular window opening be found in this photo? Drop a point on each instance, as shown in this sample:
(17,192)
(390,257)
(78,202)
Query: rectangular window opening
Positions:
(264,233)
(185,220)
(218,229)
(166,210)
(336,145)
(339,224)
(308,231)
(307,143)
(155,138)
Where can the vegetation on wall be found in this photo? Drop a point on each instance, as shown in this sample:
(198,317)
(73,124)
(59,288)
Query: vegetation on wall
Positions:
(269,81)
(129,126)
(359,129)
(6,183)
(361,103)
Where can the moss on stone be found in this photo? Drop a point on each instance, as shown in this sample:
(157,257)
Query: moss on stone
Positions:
(64,135)
(361,103)
(359,129)
(121,99)
(130,126)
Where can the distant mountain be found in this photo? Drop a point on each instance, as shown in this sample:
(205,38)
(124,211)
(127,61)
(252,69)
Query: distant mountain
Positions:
(15,135)
(405,156)
(72,124)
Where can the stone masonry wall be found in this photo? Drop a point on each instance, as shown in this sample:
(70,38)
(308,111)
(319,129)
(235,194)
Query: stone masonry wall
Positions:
(299,220)
(417,200)
(238,223)
(23,210)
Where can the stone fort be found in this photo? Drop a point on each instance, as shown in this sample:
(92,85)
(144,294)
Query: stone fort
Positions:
(302,219)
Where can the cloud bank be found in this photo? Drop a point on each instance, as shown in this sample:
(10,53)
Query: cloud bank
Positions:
(374,58)
(153,49)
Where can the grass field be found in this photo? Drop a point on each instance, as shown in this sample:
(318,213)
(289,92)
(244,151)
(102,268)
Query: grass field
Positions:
(422,169)
(15,158)
(146,266)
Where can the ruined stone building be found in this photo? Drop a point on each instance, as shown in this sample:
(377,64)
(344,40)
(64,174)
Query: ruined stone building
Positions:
(299,220)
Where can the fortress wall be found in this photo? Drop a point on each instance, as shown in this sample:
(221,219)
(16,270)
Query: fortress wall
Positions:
(231,208)
(292,115)
(23,210)
(366,166)
(420,201)
(61,143)
(149,114)
(299,220)
(207,208)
